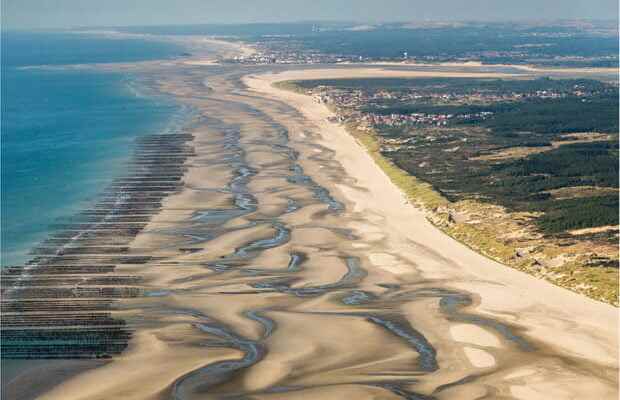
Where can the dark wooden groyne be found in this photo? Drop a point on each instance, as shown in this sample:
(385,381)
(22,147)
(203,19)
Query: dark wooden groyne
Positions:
(63,302)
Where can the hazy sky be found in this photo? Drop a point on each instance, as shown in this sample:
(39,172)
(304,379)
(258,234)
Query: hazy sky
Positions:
(27,14)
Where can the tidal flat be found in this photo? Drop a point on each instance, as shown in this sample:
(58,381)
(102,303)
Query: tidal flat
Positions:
(259,252)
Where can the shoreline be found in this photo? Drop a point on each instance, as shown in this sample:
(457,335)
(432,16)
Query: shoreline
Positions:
(511,298)
(523,67)
(94,172)
(480,238)
(193,297)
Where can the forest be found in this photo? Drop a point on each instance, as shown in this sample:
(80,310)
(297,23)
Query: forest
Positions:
(455,158)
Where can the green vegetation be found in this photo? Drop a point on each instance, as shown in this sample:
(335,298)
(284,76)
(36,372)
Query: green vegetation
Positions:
(413,188)
(491,43)
(578,164)
(512,115)
(522,184)
(537,116)
(456,85)
(449,157)
(493,183)
(562,215)
(572,114)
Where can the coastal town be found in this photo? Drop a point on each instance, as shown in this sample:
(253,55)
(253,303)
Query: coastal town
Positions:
(369,108)
(266,54)
(567,44)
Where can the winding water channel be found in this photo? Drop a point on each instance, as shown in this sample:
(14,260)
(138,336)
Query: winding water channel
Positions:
(256,278)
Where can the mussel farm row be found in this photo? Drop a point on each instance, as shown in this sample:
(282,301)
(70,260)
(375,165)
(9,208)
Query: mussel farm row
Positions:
(61,303)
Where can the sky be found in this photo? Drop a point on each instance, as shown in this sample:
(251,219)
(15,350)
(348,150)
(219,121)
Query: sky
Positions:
(33,14)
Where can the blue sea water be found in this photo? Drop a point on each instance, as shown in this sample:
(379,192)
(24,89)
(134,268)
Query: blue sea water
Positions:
(65,133)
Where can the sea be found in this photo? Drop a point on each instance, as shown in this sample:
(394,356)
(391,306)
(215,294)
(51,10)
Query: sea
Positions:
(66,132)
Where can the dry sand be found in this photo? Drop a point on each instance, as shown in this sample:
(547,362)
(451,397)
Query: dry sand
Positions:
(592,72)
(374,72)
(568,322)
(225,49)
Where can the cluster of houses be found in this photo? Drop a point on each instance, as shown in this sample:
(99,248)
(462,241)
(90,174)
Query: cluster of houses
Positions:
(356,97)
(343,98)
(352,99)
(352,103)
(365,121)
(286,52)
(283,57)
(371,119)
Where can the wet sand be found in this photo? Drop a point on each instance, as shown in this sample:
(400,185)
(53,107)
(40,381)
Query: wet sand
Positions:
(287,265)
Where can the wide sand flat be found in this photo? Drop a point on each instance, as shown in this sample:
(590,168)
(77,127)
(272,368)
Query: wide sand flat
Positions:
(578,325)
(293,268)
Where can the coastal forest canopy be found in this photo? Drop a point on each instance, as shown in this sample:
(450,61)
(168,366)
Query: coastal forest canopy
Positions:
(534,115)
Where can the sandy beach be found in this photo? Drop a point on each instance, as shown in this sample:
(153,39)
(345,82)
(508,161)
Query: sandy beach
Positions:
(289,266)
(552,312)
